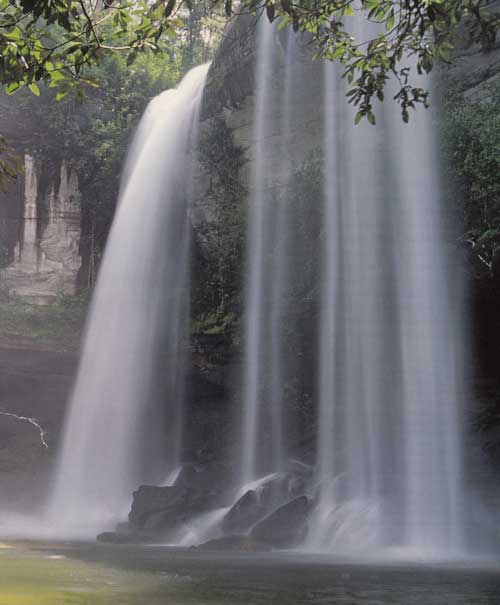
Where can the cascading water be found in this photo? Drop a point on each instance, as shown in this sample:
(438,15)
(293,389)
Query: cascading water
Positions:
(255,318)
(266,367)
(114,436)
(389,453)
(360,253)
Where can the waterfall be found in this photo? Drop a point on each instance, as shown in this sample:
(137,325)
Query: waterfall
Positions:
(258,223)
(264,448)
(389,386)
(133,355)
(389,452)
(347,267)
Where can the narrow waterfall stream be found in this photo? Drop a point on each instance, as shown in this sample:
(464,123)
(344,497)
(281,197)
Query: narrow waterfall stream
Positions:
(115,430)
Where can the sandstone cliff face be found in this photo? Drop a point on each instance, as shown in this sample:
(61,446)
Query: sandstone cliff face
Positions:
(229,105)
(42,241)
(474,69)
(227,157)
(227,154)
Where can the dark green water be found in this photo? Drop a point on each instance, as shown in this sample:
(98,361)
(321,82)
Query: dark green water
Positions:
(100,575)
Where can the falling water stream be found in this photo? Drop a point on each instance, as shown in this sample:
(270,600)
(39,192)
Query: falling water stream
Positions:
(114,434)
(389,452)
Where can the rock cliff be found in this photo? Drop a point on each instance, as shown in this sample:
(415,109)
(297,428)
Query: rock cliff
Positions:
(42,257)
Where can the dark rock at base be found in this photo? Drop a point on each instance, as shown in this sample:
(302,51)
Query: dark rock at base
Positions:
(244,513)
(275,490)
(149,499)
(207,477)
(286,526)
(235,543)
(189,476)
(157,511)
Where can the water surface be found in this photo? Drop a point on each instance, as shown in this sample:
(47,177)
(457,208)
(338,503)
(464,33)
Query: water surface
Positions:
(101,575)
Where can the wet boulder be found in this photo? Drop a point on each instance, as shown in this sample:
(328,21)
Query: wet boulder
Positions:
(207,477)
(286,526)
(150,499)
(244,513)
(158,510)
(274,491)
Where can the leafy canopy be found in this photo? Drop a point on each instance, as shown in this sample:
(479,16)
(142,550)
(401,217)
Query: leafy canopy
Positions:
(54,40)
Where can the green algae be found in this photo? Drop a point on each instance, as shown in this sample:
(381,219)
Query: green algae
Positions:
(29,577)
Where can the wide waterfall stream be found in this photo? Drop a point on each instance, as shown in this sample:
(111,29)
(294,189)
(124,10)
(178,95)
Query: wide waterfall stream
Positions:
(390,378)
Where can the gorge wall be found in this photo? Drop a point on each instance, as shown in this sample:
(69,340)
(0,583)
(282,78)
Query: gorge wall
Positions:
(40,228)
(40,235)
(227,152)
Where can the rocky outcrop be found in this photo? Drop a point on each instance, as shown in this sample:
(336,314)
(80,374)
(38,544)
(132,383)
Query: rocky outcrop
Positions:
(474,68)
(45,259)
(163,512)
(244,513)
(286,526)
(227,155)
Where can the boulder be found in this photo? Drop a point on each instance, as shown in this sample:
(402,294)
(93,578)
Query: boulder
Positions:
(275,490)
(244,513)
(149,499)
(189,476)
(207,477)
(286,526)
(157,510)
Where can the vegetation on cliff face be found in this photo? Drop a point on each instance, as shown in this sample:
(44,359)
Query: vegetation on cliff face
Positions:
(471,142)
(94,135)
(470,135)
(55,42)
(217,275)
(92,49)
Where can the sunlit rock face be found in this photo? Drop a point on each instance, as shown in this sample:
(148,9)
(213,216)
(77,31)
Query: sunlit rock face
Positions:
(45,260)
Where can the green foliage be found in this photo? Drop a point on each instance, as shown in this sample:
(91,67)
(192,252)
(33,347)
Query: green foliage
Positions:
(217,279)
(92,48)
(55,41)
(404,39)
(10,165)
(471,139)
(213,322)
(94,135)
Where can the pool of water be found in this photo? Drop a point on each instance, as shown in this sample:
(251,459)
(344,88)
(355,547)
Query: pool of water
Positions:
(76,574)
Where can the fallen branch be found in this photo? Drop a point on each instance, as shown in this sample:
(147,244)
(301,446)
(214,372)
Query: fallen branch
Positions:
(33,423)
